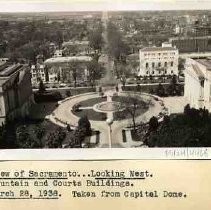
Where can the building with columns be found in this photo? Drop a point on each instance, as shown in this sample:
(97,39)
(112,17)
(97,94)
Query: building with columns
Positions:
(198,82)
(16,95)
(61,69)
(158,61)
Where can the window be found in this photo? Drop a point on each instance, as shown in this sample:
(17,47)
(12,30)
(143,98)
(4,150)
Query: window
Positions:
(159,64)
(210,92)
(147,72)
(165,71)
(153,65)
(172,72)
(153,72)
(147,65)
(165,64)
(202,83)
(172,63)
(159,72)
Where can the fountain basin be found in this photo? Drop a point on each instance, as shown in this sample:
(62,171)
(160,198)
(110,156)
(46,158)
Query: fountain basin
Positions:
(108,106)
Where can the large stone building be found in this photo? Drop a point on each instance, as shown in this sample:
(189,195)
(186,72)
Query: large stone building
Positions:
(72,48)
(198,83)
(15,91)
(192,44)
(62,69)
(158,61)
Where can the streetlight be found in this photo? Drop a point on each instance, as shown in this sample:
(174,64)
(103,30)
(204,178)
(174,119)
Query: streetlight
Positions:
(110,121)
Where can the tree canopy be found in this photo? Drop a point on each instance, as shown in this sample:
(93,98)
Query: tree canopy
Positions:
(191,129)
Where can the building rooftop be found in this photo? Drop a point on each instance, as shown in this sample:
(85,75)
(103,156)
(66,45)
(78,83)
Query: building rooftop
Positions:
(69,43)
(198,72)
(10,70)
(205,61)
(68,59)
(150,49)
(185,38)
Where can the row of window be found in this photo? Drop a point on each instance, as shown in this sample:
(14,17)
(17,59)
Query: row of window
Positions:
(159,64)
(37,71)
(159,72)
(35,75)
(159,58)
(159,54)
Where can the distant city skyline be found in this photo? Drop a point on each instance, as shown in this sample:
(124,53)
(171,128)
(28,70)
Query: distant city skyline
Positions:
(99,5)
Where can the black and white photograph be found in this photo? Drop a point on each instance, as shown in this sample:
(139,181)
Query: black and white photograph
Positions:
(103,75)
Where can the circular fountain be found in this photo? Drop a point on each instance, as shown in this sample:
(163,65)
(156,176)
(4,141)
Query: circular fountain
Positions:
(108,106)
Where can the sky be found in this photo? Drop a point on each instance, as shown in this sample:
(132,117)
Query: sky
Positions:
(99,5)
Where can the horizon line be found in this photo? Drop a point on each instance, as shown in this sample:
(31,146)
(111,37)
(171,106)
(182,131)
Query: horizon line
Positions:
(117,10)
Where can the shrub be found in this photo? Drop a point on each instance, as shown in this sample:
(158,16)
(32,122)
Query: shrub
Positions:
(47,96)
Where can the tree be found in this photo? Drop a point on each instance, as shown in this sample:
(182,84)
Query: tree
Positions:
(187,109)
(123,80)
(153,123)
(68,128)
(84,123)
(77,137)
(187,130)
(94,70)
(24,139)
(160,91)
(30,50)
(41,87)
(46,75)
(4,128)
(55,139)
(73,67)
(58,76)
(117,48)
(131,104)
(39,132)
(68,93)
(96,42)
(173,88)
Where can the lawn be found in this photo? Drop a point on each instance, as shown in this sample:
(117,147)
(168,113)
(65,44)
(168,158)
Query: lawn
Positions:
(40,110)
(92,101)
(124,114)
(91,114)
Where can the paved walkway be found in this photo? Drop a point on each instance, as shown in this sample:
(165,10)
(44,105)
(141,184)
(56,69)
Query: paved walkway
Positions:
(175,104)
(63,114)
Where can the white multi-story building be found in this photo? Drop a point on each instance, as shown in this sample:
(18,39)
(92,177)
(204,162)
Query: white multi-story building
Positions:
(37,73)
(158,61)
(198,83)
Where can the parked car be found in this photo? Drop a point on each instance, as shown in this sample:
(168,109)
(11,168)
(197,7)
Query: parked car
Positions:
(62,85)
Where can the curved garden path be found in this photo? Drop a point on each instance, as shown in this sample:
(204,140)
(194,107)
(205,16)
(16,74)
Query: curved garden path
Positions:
(63,114)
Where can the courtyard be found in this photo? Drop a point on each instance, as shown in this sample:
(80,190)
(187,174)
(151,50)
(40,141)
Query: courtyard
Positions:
(64,114)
